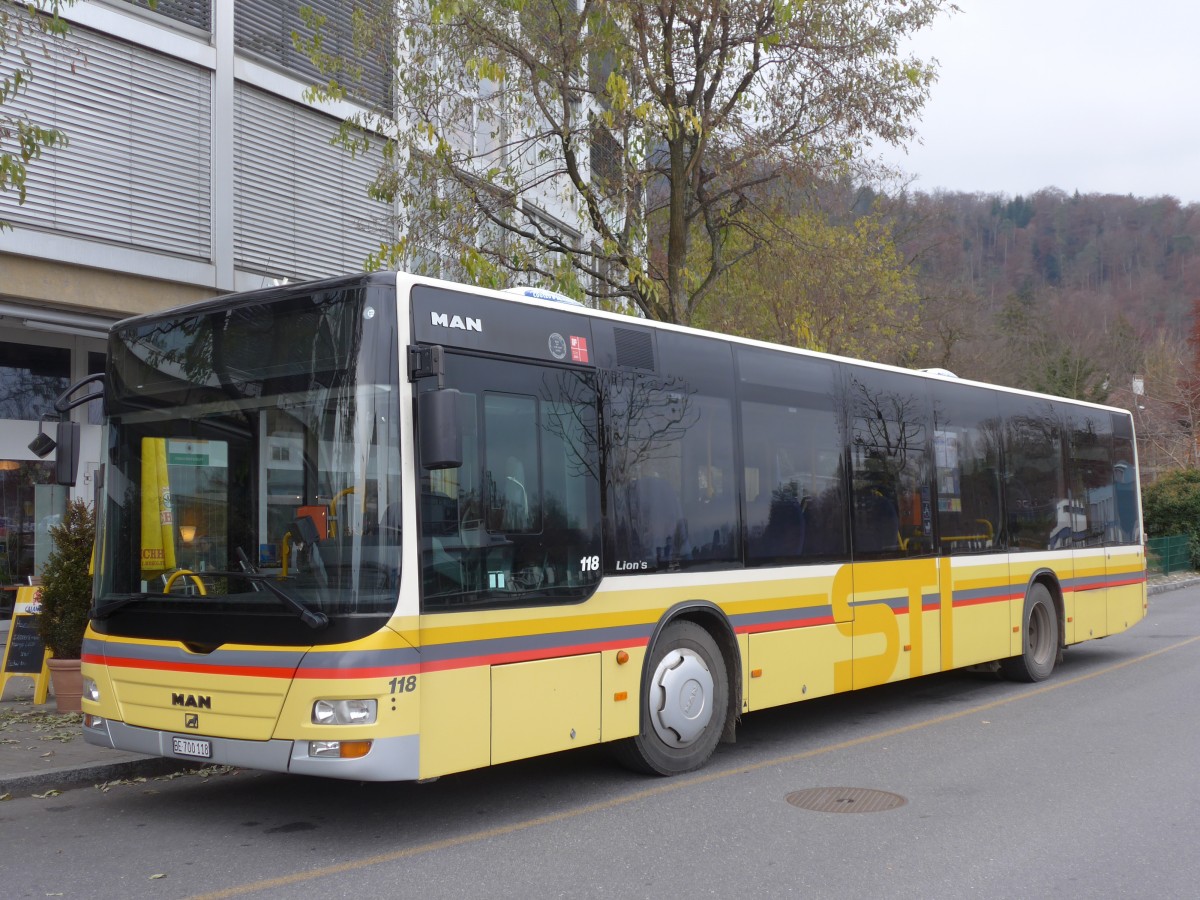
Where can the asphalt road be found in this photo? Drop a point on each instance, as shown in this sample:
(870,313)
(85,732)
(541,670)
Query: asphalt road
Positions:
(1084,786)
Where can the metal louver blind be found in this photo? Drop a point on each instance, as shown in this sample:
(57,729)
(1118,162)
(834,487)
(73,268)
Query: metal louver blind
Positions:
(138,169)
(302,209)
(197,13)
(265,27)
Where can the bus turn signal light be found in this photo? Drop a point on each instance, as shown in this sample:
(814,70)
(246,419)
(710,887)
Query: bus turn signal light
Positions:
(339,749)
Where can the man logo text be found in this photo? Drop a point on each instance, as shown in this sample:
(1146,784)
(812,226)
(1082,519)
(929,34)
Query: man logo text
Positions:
(191,701)
(468,324)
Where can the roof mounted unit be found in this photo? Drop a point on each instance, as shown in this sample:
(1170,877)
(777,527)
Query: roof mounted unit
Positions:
(543,294)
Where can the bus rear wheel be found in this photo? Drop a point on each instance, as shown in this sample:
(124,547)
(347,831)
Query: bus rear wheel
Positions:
(685,703)
(1039,639)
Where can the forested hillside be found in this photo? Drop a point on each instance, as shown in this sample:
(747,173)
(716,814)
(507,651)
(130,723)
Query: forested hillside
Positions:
(1078,296)
(1088,272)
(1071,294)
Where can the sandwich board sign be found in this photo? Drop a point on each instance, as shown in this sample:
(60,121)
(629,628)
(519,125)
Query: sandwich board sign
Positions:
(24,651)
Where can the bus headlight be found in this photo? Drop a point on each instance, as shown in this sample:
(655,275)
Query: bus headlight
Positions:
(91,690)
(344,712)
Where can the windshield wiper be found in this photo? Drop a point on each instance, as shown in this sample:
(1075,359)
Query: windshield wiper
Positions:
(113,605)
(311,618)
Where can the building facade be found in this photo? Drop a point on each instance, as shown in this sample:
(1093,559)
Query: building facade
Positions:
(194,167)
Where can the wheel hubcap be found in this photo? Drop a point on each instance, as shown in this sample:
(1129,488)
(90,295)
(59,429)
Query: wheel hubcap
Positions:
(681,698)
(1039,634)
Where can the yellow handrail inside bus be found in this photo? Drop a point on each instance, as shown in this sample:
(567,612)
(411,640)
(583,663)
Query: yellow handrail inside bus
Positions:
(987,535)
(285,552)
(333,509)
(187,573)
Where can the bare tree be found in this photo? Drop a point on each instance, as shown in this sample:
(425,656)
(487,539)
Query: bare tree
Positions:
(657,125)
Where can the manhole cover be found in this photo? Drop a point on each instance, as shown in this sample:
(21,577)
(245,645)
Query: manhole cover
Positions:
(845,800)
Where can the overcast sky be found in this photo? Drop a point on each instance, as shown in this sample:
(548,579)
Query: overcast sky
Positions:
(1088,95)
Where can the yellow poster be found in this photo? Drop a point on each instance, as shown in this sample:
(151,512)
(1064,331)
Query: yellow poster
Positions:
(158,518)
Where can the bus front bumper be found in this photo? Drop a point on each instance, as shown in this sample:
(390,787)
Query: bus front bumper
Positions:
(389,759)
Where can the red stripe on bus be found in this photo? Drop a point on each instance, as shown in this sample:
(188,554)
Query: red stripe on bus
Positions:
(1136,579)
(466,662)
(765,627)
(995,598)
(255,671)
(195,668)
(376,672)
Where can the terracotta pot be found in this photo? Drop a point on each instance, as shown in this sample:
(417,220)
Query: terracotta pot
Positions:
(67,682)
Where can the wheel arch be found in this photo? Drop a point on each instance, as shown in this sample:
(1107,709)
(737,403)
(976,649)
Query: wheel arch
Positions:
(1049,580)
(712,619)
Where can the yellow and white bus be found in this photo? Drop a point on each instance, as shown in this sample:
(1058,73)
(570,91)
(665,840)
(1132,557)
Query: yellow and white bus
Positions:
(384,527)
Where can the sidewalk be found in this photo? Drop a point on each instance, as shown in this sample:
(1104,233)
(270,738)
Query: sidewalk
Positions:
(41,750)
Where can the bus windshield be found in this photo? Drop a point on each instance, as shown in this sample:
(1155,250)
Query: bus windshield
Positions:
(252,483)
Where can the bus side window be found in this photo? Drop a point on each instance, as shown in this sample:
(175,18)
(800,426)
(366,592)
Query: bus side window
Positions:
(793,449)
(659,531)
(893,506)
(966,449)
(511,431)
(1126,524)
(1091,478)
(1035,482)
(514,524)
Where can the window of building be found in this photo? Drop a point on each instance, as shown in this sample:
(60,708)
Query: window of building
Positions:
(95,409)
(31,377)
(265,27)
(30,503)
(197,13)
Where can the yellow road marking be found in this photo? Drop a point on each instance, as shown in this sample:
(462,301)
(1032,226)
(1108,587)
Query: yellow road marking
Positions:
(665,787)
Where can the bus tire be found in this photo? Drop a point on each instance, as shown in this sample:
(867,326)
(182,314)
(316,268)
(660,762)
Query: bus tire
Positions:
(1039,639)
(684,705)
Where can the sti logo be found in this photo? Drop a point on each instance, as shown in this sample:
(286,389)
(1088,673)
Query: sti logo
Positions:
(442,320)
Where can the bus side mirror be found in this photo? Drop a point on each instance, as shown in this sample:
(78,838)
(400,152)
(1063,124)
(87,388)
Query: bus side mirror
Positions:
(66,463)
(441,440)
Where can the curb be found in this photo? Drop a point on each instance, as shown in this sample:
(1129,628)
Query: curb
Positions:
(68,777)
(1163,587)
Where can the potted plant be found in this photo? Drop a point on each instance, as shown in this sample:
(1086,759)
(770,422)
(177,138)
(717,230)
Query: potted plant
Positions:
(66,600)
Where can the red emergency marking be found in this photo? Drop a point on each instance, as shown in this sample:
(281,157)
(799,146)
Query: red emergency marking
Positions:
(579,349)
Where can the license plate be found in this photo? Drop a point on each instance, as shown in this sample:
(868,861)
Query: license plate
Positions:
(191,747)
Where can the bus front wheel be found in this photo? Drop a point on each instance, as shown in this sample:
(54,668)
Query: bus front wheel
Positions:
(1039,639)
(685,703)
